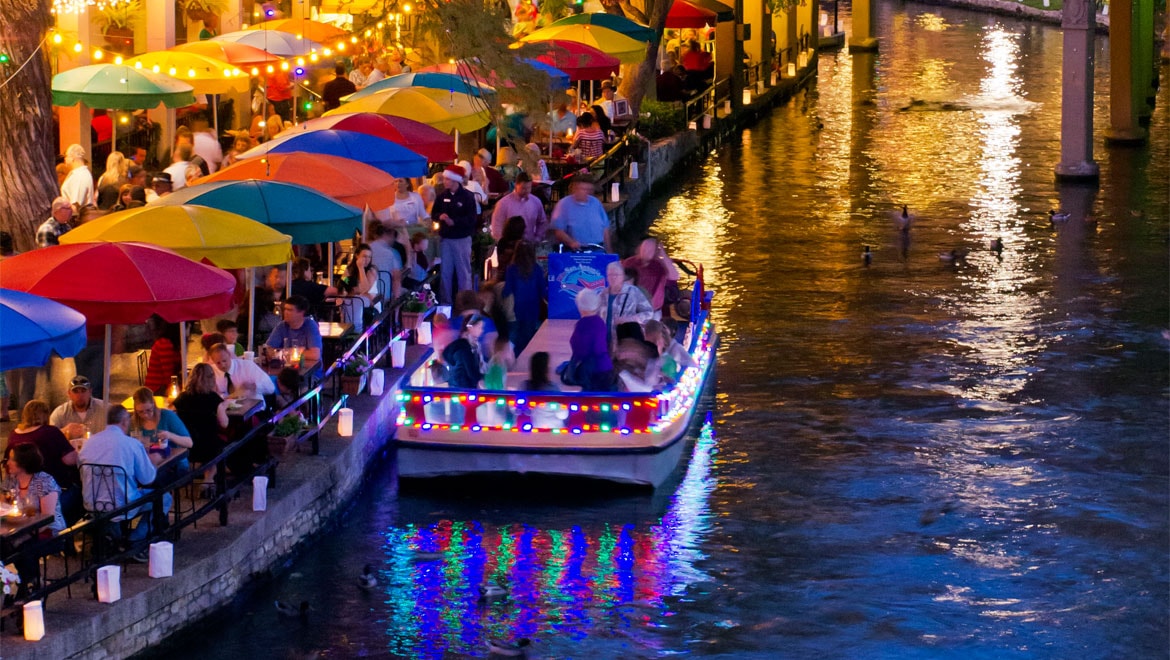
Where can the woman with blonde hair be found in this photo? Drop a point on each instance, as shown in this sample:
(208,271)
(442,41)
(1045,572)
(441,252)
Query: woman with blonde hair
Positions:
(117,168)
(153,425)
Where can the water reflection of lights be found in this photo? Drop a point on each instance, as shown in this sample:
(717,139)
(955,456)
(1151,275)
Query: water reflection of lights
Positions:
(931,22)
(996,213)
(562,582)
(698,226)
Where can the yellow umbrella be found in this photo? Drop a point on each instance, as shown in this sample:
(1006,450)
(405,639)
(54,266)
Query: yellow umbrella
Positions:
(196,232)
(206,74)
(610,42)
(303,28)
(445,110)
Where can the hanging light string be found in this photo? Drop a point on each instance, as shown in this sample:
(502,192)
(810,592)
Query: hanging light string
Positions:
(25,63)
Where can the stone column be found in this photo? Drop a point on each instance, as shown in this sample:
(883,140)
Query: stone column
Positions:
(1123,120)
(160,19)
(754,15)
(862,38)
(1143,60)
(792,36)
(1076,106)
(75,120)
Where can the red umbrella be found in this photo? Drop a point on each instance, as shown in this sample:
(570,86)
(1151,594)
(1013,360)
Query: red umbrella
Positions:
(580,61)
(113,283)
(685,15)
(432,143)
(121,282)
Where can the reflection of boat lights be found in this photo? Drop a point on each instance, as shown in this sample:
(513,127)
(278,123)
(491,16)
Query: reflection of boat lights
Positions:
(687,519)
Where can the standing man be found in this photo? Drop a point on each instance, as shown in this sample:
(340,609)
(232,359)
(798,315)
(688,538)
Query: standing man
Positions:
(337,88)
(279,92)
(82,413)
(454,210)
(580,218)
(78,185)
(523,203)
(51,230)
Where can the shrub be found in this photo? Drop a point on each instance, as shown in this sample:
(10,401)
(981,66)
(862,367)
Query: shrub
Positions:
(659,119)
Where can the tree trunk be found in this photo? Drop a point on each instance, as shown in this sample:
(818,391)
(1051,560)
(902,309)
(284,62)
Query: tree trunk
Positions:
(638,80)
(28,180)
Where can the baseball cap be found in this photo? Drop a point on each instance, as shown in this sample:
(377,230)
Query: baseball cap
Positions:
(79,382)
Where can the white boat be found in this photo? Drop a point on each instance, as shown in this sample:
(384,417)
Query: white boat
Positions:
(625,437)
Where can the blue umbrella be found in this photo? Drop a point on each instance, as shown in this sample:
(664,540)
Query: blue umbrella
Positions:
(451,82)
(559,79)
(393,159)
(34,327)
(301,212)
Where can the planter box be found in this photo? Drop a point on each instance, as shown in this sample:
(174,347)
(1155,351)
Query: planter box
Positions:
(353,385)
(279,445)
(410,320)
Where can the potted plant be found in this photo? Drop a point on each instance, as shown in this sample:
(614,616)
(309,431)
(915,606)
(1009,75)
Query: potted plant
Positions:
(117,22)
(286,433)
(416,306)
(353,375)
(207,11)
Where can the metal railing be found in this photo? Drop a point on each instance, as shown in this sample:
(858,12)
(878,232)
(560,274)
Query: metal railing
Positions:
(101,534)
(707,101)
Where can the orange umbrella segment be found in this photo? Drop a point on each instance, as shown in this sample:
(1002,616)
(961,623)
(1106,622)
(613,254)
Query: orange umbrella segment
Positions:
(342,179)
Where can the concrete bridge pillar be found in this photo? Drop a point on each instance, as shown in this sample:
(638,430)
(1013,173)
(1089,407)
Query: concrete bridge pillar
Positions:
(862,38)
(1076,107)
(1123,111)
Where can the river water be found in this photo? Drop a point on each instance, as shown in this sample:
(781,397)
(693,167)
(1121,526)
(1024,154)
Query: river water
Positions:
(911,458)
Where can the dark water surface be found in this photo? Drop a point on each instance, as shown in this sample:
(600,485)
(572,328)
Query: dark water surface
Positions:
(910,459)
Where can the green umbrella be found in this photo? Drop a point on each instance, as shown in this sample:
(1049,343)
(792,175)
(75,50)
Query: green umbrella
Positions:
(631,29)
(119,87)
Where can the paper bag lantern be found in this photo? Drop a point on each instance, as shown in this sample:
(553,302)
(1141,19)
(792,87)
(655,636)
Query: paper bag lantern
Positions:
(377,382)
(345,422)
(162,559)
(109,584)
(34,621)
(259,493)
(424,332)
(398,353)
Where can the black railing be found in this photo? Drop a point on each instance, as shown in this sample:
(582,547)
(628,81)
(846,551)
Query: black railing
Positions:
(100,535)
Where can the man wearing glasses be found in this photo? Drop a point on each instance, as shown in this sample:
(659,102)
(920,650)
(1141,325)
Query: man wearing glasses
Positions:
(299,330)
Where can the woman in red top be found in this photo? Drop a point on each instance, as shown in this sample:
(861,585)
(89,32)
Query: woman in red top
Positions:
(165,360)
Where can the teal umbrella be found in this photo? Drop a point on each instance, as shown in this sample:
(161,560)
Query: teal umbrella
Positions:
(119,87)
(433,79)
(631,29)
(303,213)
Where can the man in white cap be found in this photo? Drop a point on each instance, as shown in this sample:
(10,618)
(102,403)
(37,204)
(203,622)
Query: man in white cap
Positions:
(454,211)
(78,186)
(82,413)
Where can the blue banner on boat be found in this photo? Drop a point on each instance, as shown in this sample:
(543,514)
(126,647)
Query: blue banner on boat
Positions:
(569,273)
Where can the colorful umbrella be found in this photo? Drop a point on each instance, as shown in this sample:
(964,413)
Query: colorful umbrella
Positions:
(476,72)
(629,51)
(686,15)
(621,24)
(342,179)
(393,159)
(579,61)
(272,41)
(450,82)
(432,143)
(239,54)
(304,214)
(34,327)
(303,28)
(116,283)
(446,111)
(119,87)
(196,232)
(207,75)
(557,79)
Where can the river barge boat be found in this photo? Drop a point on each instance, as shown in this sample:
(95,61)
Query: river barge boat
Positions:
(625,437)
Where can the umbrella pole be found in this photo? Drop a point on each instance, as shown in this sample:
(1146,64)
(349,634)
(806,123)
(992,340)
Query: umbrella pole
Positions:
(182,353)
(107,348)
(330,263)
(252,307)
(287,279)
(457,145)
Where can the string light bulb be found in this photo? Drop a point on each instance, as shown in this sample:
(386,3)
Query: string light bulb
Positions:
(77,47)
(118,60)
(56,38)
(98,54)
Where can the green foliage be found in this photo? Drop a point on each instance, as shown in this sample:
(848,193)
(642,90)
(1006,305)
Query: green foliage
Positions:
(356,366)
(291,425)
(659,119)
(121,15)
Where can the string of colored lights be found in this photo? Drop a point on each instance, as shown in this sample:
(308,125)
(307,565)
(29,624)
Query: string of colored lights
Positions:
(669,406)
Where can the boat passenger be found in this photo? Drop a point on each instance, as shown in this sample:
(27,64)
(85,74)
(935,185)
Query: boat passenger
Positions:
(655,271)
(590,345)
(462,357)
(524,281)
(672,360)
(623,302)
(538,379)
